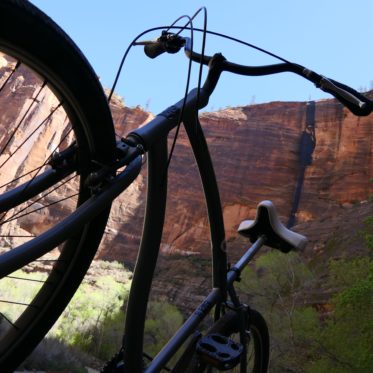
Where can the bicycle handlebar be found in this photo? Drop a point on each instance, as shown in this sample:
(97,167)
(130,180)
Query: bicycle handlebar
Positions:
(168,42)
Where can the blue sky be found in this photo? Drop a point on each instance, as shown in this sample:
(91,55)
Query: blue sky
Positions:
(332,37)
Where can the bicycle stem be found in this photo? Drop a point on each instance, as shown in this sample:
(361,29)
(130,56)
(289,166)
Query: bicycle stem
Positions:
(164,122)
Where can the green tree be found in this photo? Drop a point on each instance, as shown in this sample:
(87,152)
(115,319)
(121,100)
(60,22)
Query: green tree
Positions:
(367,232)
(162,320)
(346,341)
(94,319)
(276,286)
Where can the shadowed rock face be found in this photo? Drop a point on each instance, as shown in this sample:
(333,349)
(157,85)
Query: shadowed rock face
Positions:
(256,154)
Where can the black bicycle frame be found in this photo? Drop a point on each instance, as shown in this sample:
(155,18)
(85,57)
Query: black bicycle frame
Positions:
(149,248)
(152,137)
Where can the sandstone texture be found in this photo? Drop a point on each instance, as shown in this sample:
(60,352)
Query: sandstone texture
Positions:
(256,154)
(255,150)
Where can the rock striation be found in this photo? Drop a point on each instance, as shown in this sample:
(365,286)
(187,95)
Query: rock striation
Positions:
(256,153)
(255,149)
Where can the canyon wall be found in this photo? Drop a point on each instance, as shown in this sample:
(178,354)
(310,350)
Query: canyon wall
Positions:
(255,150)
(256,154)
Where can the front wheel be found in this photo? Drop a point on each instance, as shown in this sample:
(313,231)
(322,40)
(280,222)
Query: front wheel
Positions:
(50,101)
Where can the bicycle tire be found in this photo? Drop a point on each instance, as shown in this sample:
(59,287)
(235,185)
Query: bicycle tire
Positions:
(228,325)
(29,36)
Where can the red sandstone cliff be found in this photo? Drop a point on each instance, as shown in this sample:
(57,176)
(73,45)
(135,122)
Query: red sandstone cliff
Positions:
(255,150)
(256,153)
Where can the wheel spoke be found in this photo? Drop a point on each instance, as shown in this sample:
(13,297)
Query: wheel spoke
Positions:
(39,209)
(18,303)
(22,176)
(38,169)
(28,279)
(17,236)
(17,214)
(7,319)
(10,75)
(48,260)
(20,122)
(45,120)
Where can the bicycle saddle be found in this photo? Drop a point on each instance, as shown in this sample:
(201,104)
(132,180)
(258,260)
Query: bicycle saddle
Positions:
(268,223)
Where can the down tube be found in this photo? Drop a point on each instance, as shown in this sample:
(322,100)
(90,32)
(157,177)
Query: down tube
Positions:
(147,257)
(210,187)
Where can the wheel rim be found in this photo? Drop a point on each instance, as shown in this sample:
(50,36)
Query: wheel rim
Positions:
(45,123)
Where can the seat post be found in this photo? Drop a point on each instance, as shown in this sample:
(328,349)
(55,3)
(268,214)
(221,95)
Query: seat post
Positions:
(235,271)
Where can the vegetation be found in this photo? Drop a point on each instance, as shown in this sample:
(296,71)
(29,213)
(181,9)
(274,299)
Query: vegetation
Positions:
(93,321)
(367,232)
(163,319)
(91,327)
(277,285)
(310,336)
(315,326)
(345,343)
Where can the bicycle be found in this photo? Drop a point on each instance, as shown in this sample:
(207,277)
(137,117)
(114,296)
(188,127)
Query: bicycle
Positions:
(84,155)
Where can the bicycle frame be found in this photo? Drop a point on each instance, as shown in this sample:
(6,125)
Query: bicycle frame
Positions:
(153,137)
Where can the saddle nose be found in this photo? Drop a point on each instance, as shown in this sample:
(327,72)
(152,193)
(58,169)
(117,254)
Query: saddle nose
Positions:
(267,223)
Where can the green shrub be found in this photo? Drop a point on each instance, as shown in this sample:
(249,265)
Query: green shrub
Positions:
(162,320)
(91,324)
(276,287)
(346,341)
(94,319)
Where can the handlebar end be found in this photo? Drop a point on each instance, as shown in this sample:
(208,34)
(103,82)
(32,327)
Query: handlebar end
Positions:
(167,42)
(154,50)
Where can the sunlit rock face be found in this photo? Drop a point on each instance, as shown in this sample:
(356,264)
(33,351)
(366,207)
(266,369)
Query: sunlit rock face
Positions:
(255,150)
(256,154)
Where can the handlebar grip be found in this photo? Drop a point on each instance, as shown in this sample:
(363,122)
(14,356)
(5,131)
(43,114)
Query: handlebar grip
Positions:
(155,49)
(357,103)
